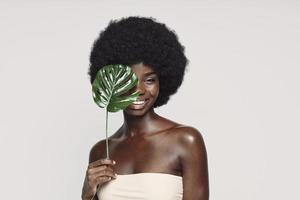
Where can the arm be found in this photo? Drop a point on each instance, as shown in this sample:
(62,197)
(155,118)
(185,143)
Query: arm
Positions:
(94,155)
(193,159)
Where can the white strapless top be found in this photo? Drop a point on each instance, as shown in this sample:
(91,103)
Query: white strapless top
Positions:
(142,186)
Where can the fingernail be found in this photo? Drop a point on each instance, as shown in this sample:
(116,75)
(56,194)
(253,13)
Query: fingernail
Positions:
(114,162)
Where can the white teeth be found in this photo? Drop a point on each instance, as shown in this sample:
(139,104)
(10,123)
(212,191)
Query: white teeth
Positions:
(138,102)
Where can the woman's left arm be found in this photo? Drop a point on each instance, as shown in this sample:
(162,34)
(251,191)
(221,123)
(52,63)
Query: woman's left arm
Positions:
(193,159)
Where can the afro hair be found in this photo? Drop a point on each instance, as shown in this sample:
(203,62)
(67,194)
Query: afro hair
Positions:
(136,39)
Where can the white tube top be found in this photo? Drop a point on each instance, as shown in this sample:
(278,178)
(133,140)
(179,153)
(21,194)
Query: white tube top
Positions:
(142,186)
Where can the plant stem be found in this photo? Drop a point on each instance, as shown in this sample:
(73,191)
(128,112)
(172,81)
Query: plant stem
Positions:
(106,125)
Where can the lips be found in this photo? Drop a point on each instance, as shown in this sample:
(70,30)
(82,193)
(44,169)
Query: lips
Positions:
(139,104)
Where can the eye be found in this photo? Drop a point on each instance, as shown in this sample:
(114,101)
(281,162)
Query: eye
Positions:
(150,80)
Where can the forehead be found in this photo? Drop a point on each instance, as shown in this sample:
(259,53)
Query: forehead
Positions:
(142,69)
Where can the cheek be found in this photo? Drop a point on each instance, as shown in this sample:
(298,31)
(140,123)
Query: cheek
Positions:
(154,91)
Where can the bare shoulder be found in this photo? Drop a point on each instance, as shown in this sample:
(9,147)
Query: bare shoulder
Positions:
(187,133)
(189,139)
(97,151)
(193,159)
(184,134)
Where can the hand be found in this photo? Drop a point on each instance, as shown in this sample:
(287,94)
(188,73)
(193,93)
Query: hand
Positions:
(98,173)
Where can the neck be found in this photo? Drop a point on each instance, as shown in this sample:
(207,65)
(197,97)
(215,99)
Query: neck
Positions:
(139,125)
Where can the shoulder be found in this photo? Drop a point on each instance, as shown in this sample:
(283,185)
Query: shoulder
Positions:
(184,134)
(97,151)
(189,139)
(187,135)
(193,161)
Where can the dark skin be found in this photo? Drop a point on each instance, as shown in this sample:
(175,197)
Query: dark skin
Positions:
(147,142)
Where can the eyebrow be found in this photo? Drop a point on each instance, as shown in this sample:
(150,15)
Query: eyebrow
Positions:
(148,73)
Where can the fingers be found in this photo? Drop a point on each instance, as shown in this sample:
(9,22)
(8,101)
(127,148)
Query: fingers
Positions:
(101,162)
(100,171)
(100,177)
(107,172)
(103,169)
(103,176)
(103,179)
(97,169)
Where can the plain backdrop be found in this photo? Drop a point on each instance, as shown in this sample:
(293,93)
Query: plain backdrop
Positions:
(241,91)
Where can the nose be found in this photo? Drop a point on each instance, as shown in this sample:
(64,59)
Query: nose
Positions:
(140,88)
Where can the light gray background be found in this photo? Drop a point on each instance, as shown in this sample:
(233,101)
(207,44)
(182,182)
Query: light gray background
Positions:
(241,91)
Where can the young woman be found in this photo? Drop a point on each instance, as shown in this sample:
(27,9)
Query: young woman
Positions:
(151,157)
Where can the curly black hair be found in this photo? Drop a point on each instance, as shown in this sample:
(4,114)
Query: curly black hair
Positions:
(137,39)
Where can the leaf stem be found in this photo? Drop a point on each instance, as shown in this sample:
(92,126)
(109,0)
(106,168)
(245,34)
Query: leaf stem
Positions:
(106,127)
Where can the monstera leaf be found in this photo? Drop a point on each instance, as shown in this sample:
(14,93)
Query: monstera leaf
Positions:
(110,85)
(110,88)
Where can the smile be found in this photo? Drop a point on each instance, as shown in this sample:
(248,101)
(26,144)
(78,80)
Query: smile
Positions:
(138,102)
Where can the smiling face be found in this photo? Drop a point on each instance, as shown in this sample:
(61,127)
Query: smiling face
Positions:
(148,87)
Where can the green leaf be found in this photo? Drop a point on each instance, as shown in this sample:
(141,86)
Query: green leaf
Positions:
(110,85)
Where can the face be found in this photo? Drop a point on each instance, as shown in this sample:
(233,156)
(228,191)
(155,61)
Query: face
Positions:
(148,87)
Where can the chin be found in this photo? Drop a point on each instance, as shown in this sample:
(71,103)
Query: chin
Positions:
(135,112)
(131,110)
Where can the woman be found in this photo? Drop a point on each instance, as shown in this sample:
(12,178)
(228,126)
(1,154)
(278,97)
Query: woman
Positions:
(155,158)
